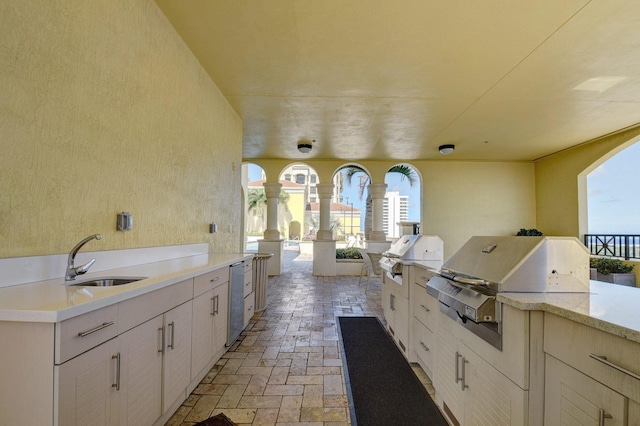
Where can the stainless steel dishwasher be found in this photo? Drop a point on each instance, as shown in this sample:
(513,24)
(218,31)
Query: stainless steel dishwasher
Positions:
(236,301)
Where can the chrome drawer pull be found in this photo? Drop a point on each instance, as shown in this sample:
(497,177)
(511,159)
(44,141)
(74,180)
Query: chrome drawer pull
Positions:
(93,330)
(464,375)
(602,416)
(456,372)
(117,383)
(603,359)
(173,327)
(425,308)
(426,349)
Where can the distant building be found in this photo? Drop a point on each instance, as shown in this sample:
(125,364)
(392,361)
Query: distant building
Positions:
(291,218)
(395,208)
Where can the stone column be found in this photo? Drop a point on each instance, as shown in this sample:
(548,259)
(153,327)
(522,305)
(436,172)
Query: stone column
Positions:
(272,190)
(325,191)
(272,243)
(324,246)
(377,191)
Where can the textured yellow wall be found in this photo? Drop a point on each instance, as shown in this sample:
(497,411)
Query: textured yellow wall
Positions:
(103,110)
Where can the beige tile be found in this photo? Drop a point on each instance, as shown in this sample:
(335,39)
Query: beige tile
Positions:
(291,402)
(305,380)
(284,390)
(313,396)
(266,417)
(256,385)
(312,414)
(260,401)
(231,396)
(333,385)
(232,379)
(290,415)
(203,408)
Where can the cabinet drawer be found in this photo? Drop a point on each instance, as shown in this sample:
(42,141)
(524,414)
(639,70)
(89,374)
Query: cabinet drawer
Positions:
(423,346)
(210,280)
(77,335)
(137,310)
(248,283)
(596,353)
(424,306)
(248,265)
(249,307)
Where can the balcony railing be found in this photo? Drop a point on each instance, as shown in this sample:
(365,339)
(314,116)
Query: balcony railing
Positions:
(622,246)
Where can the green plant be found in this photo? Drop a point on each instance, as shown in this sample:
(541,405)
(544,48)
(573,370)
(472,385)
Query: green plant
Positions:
(607,265)
(348,253)
(529,232)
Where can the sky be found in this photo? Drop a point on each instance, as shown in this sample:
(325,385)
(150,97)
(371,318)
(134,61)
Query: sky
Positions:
(614,194)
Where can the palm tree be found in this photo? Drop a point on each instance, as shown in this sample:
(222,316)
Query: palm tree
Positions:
(350,171)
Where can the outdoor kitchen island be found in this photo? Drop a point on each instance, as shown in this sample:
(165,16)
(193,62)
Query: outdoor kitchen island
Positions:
(564,355)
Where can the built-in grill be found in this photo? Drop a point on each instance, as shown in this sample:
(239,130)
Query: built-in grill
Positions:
(470,280)
(426,249)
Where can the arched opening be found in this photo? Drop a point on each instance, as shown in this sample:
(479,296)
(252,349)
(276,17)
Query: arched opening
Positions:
(253,177)
(300,195)
(613,204)
(348,205)
(401,208)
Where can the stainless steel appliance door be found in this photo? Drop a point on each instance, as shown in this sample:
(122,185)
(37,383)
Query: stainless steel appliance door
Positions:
(236,301)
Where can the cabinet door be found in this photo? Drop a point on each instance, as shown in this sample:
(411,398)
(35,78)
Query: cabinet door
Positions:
(86,387)
(220,317)
(447,376)
(490,398)
(573,398)
(249,308)
(140,395)
(202,332)
(177,354)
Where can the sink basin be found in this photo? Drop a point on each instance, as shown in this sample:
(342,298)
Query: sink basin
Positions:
(108,281)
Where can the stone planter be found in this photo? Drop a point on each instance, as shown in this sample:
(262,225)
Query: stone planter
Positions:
(351,267)
(622,279)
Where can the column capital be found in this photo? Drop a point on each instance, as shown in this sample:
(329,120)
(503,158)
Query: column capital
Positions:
(272,189)
(377,190)
(325,190)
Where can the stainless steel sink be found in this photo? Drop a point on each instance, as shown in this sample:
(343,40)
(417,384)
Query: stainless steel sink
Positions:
(108,281)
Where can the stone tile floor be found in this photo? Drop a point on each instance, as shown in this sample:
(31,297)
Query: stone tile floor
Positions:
(286,367)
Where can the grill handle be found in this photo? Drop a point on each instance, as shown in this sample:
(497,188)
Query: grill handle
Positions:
(470,281)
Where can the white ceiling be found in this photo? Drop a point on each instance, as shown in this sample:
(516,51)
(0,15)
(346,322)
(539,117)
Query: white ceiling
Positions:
(380,79)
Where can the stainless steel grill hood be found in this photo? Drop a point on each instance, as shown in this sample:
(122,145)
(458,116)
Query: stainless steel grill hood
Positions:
(521,264)
(485,266)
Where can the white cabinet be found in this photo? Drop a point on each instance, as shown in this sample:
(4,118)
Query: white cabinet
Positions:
(87,391)
(210,319)
(423,311)
(139,374)
(572,397)
(590,374)
(176,367)
(395,307)
(249,294)
(471,391)
(123,381)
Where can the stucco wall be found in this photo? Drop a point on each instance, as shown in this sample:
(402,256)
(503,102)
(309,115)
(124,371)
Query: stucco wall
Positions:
(104,110)
(559,192)
(463,199)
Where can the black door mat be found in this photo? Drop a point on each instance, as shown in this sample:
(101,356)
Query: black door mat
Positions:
(383,389)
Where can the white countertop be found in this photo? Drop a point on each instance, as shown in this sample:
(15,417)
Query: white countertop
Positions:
(52,301)
(608,307)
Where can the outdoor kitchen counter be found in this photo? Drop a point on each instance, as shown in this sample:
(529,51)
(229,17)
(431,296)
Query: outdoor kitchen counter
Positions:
(52,301)
(612,308)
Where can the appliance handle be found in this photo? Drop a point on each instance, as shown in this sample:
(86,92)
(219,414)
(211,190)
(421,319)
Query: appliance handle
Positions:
(470,281)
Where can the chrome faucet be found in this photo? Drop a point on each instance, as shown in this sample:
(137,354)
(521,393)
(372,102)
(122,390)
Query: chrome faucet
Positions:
(73,271)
